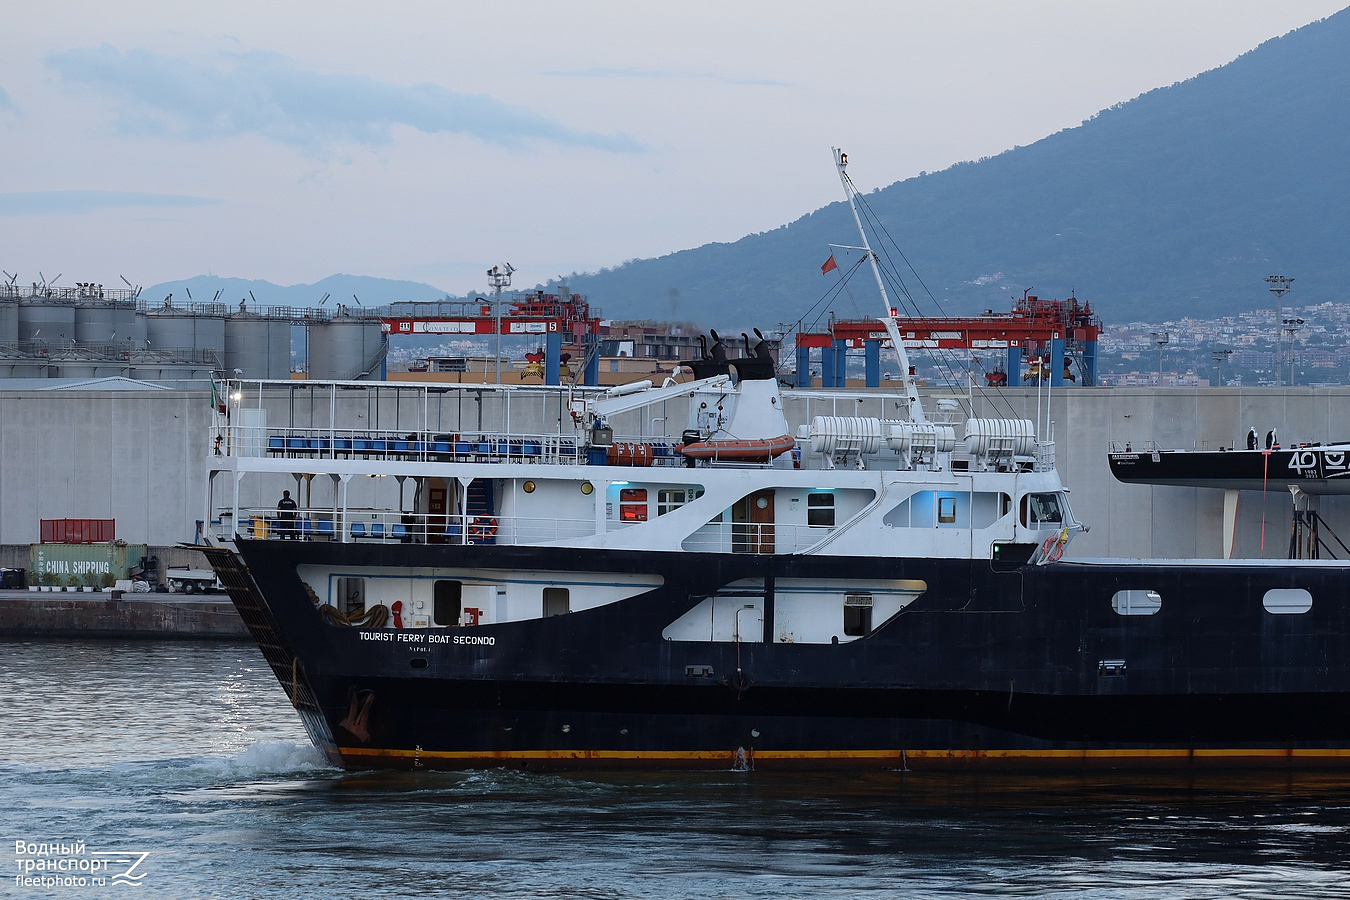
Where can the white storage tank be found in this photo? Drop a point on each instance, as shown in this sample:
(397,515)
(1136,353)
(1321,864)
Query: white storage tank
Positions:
(343,348)
(9,321)
(258,346)
(41,319)
(105,322)
(170,329)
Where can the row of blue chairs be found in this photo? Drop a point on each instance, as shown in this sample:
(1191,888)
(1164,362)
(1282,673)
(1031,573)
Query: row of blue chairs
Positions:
(377,531)
(295,445)
(322,529)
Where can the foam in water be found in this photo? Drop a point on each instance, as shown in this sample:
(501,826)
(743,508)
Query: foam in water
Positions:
(279,757)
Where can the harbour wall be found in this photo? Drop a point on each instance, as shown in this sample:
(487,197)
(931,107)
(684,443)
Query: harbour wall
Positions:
(139,457)
(167,616)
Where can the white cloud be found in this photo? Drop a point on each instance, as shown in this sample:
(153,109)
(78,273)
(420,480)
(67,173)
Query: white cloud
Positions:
(37,203)
(269,95)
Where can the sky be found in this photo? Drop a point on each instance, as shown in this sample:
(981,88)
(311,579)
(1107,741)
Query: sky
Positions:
(429,141)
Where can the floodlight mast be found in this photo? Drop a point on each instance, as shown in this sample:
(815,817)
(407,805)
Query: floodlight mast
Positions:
(892,329)
(1279,286)
(499,276)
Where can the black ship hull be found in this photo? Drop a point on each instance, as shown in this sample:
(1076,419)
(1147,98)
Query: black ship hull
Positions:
(1019,663)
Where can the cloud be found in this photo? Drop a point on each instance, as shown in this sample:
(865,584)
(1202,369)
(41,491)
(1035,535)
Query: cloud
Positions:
(35,203)
(665,75)
(267,95)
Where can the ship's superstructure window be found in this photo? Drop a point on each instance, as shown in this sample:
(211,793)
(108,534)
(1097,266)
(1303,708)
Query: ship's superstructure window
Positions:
(351,595)
(857,614)
(1287,601)
(820,509)
(1136,602)
(557,602)
(1042,509)
(671,499)
(447,602)
(633,505)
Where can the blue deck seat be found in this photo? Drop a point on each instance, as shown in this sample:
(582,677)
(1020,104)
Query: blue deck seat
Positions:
(377,530)
(324,529)
(342,445)
(398,531)
(276,443)
(358,530)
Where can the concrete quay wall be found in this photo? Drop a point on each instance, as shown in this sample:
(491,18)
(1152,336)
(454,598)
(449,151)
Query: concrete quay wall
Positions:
(45,615)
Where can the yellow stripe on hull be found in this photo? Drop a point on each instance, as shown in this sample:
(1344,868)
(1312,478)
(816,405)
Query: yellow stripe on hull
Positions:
(838,757)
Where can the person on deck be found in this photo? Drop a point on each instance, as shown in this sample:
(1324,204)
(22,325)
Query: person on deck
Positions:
(1251,438)
(286,514)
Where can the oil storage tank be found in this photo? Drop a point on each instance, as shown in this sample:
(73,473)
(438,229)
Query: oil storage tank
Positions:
(105,322)
(345,348)
(9,321)
(186,333)
(259,346)
(46,319)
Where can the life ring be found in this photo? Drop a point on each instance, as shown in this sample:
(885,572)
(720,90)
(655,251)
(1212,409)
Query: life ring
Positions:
(482,528)
(1052,549)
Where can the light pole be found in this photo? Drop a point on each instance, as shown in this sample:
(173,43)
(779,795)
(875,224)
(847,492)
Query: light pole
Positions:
(1279,286)
(1161,338)
(1291,327)
(1220,356)
(499,277)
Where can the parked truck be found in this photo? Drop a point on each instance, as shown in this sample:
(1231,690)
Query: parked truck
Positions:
(191,581)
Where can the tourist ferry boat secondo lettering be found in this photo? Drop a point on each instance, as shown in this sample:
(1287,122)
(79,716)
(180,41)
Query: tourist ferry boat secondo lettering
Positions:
(715,570)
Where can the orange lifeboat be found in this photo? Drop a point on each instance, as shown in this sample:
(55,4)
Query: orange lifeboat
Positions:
(749,449)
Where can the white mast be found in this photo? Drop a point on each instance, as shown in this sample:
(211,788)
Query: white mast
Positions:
(906,380)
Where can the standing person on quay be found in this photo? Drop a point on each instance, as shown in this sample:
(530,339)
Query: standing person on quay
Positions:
(286,513)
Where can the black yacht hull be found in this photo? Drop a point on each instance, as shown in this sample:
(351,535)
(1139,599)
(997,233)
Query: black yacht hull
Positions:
(1029,664)
(1312,469)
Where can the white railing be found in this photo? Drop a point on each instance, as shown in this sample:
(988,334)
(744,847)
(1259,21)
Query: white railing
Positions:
(368,525)
(328,443)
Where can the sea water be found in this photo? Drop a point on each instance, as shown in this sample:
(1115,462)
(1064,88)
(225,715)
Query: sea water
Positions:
(184,765)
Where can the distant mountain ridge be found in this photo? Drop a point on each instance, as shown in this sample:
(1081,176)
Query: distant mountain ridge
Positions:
(351,290)
(1178,202)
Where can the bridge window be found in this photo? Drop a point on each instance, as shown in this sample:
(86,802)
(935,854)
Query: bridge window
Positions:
(1042,509)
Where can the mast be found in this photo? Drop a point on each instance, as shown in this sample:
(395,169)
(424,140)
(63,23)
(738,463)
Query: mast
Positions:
(892,329)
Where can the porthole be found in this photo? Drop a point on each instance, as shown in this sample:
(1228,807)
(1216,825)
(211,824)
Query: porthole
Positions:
(529,487)
(1136,603)
(1287,601)
(587,487)
(418,663)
